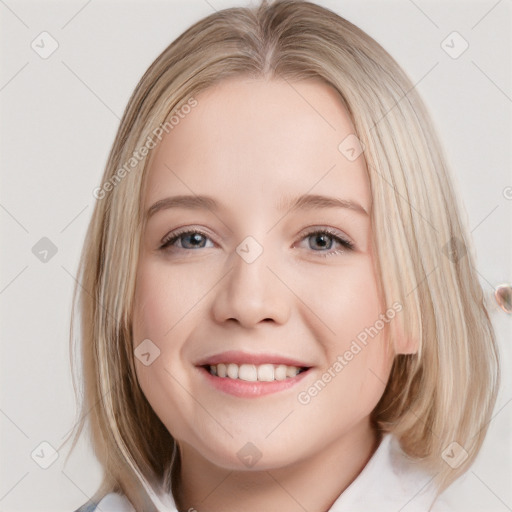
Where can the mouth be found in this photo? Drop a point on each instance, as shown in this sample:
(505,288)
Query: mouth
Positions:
(246,375)
(254,373)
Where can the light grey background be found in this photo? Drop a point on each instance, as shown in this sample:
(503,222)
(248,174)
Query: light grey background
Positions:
(59,116)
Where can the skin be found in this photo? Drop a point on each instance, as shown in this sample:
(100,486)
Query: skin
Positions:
(247,143)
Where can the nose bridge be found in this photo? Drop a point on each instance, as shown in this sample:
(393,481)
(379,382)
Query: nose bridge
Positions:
(250,261)
(251,292)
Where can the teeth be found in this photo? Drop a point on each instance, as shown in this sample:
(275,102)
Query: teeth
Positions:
(253,373)
(247,372)
(265,372)
(280,372)
(221,370)
(232,371)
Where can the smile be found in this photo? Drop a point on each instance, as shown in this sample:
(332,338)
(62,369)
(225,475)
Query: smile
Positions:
(254,373)
(249,375)
(233,383)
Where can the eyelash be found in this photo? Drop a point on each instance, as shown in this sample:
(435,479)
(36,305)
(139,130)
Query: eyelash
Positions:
(347,244)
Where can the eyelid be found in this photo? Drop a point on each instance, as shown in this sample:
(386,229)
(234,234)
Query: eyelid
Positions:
(185,230)
(333,232)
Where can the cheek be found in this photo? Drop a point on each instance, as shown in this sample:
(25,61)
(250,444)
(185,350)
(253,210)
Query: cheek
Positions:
(358,358)
(163,310)
(167,307)
(154,300)
(166,299)
(345,297)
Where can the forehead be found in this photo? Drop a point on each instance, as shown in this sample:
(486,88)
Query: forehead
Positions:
(248,141)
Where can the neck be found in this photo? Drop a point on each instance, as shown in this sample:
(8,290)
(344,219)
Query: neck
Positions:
(313,483)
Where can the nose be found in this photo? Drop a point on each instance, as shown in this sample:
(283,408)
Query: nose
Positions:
(252,292)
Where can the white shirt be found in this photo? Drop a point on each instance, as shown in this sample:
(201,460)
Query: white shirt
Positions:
(389,482)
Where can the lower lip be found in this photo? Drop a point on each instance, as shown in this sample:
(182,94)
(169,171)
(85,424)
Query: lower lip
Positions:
(247,389)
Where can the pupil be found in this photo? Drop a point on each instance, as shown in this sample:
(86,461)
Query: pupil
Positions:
(322,243)
(196,238)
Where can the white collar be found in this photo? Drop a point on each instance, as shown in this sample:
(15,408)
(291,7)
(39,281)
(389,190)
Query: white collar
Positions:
(389,482)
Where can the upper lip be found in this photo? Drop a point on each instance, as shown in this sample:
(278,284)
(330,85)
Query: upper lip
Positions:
(238,357)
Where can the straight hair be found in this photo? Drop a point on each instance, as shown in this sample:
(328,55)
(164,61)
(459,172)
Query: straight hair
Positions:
(443,393)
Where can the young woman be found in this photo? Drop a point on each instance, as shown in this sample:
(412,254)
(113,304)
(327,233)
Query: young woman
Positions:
(279,306)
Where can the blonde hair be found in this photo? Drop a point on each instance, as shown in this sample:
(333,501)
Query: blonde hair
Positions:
(443,393)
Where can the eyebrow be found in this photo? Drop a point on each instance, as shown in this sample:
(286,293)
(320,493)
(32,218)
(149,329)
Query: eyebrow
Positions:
(304,202)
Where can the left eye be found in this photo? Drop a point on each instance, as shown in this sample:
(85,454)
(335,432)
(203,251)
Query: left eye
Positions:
(319,238)
(194,239)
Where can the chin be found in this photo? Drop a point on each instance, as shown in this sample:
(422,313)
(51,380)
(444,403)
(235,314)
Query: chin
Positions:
(249,455)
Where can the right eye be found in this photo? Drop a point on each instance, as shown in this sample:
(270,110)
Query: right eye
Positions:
(190,237)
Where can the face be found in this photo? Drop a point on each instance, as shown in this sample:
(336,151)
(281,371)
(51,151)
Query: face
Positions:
(254,281)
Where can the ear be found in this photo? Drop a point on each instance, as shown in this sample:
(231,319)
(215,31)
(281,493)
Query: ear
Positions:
(406,346)
(403,344)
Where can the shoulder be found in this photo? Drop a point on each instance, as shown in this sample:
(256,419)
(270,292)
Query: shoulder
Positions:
(443,505)
(111,502)
(390,481)
(86,507)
